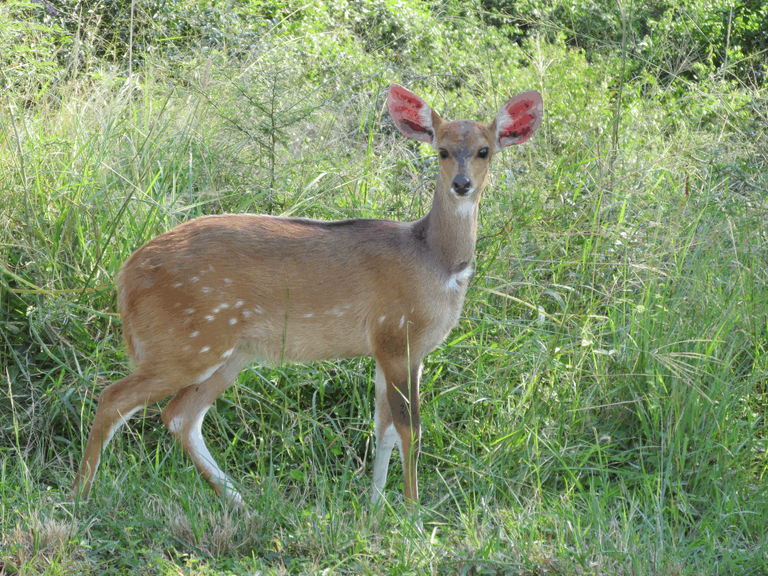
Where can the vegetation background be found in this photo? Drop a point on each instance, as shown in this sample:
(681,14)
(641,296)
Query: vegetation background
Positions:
(601,407)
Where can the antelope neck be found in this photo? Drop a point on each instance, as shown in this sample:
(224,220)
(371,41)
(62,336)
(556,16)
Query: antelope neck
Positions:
(450,235)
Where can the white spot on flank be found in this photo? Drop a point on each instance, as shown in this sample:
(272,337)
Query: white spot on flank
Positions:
(194,279)
(194,334)
(228,353)
(177,285)
(381,319)
(258,310)
(205,289)
(402,321)
(233,320)
(309,315)
(186,348)
(177,304)
(189,311)
(204,349)
(227,281)
(246,313)
(210,318)
(238,303)
(223,306)
(336,312)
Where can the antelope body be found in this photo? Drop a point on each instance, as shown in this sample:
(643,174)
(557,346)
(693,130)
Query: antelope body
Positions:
(202,301)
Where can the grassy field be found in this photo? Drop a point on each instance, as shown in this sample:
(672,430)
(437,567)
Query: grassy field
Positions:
(601,406)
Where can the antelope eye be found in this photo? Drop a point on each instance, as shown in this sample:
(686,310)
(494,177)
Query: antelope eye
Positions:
(443,153)
(482,153)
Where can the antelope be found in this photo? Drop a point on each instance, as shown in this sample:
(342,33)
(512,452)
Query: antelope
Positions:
(202,301)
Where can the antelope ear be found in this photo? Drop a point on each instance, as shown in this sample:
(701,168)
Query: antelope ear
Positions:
(518,119)
(412,116)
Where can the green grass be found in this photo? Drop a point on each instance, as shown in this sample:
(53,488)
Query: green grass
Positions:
(599,409)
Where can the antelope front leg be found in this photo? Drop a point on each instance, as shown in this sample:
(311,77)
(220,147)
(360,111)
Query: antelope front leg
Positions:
(385,436)
(397,420)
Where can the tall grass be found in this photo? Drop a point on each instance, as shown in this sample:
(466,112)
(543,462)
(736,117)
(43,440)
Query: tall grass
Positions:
(600,409)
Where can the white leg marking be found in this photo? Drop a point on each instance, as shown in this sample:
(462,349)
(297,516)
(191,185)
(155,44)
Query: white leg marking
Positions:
(385,441)
(208,373)
(203,456)
(111,432)
(385,438)
(117,425)
(175,424)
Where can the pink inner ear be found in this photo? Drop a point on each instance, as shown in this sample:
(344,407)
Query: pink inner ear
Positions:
(518,120)
(411,114)
(520,128)
(515,108)
(406,97)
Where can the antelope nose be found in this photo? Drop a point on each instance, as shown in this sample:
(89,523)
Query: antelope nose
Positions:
(460,185)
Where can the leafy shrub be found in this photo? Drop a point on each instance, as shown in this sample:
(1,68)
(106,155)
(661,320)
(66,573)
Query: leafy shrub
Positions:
(671,38)
(391,25)
(108,29)
(26,46)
